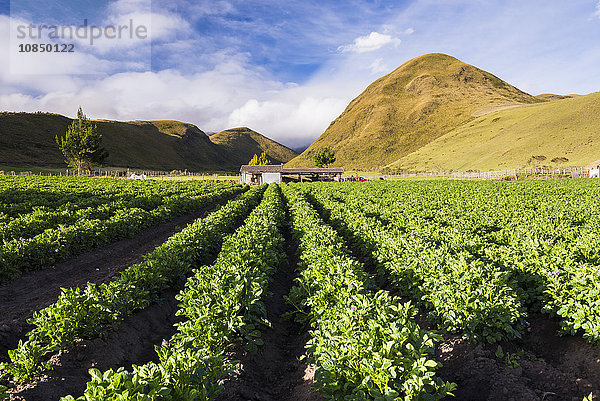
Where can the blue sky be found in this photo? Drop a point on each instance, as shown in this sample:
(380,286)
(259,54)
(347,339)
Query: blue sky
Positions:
(285,69)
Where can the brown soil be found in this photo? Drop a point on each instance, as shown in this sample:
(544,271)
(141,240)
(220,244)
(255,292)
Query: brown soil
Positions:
(20,298)
(550,368)
(131,343)
(275,372)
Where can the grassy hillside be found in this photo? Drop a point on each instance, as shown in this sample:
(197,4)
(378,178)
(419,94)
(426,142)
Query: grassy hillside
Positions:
(160,145)
(28,139)
(240,144)
(550,97)
(561,132)
(415,104)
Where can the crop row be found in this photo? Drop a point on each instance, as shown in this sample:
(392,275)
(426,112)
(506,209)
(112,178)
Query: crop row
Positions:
(461,293)
(539,239)
(549,248)
(39,219)
(221,305)
(88,312)
(22,195)
(56,245)
(365,344)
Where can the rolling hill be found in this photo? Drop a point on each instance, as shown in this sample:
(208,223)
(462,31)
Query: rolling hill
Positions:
(240,144)
(562,132)
(28,139)
(417,103)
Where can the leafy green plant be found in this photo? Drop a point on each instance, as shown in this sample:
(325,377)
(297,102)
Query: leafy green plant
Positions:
(462,293)
(220,305)
(88,312)
(365,344)
(80,230)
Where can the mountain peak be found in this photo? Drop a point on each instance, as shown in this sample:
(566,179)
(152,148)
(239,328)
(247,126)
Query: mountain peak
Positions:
(419,101)
(245,143)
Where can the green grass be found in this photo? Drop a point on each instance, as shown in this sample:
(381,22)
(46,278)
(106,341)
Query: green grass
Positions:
(242,143)
(27,141)
(235,178)
(403,111)
(31,169)
(557,133)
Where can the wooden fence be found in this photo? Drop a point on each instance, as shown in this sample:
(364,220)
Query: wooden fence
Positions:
(123,173)
(518,173)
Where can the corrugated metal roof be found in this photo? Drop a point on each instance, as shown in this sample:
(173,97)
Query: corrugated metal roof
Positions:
(331,170)
(261,169)
(280,169)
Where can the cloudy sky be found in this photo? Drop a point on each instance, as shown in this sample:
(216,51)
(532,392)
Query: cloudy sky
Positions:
(283,68)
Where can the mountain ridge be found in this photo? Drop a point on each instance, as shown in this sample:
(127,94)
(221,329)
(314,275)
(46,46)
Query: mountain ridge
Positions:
(558,133)
(418,102)
(28,139)
(247,142)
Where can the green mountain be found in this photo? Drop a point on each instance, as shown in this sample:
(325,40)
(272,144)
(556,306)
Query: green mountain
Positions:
(562,132)
(420,101)
(240,144)
(28,139)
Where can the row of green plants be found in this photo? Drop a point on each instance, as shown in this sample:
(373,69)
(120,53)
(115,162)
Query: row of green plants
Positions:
(543,236)
(33,223)
(100,204)
(56,245)
(221,307)
(365,343)
(89,312)
(23,195)
(28,225)
(461,293)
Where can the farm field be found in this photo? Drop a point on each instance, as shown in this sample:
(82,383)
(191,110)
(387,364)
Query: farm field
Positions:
(189,290)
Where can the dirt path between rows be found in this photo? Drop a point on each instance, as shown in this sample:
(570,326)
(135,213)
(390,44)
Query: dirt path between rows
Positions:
(546,367)
(275,372)
(131,343)
(540,367)
(20,298)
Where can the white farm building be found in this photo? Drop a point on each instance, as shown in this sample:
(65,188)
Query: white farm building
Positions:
(277,173)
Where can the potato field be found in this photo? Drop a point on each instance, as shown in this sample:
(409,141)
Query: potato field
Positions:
(382,290)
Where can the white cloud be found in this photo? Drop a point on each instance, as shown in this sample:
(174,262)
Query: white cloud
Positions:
(370,42)
(296,121)
(597,13)
(378,66)
(224,90)
(120,40)
(211,8)
(230,94)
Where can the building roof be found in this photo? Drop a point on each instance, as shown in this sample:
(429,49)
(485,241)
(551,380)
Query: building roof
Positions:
(331,170)
(262,169)
(279,169)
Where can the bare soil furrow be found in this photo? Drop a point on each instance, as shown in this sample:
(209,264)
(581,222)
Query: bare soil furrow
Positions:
(131,343)
(275,372)
(20,298)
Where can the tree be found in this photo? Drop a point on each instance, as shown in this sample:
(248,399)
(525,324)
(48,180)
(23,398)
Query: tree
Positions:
(261,160)
(254,161)
(324,157)
(81,144)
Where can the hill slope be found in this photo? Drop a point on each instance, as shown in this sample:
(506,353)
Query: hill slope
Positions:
(28,139)
(557,133)
(240,144)
(415,104)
